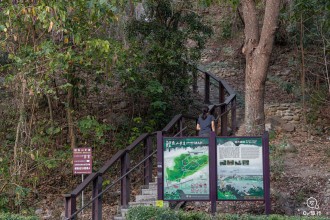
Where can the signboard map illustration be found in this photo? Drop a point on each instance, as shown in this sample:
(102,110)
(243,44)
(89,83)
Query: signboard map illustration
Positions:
(239,168)
(186,169)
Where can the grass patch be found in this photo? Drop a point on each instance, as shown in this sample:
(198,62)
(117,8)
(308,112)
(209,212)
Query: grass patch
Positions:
(155,213)
(9,216)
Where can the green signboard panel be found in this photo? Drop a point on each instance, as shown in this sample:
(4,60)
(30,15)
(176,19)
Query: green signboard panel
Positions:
(240,168)
(186,169)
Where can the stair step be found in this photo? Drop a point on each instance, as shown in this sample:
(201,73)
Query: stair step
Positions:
(119,218)
(142,198)
(123,212)
(146,203)
(152,185)
(149,192)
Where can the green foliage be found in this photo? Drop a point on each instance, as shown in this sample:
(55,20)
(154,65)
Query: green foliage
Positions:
(316,100)
(92,129)
(288,87)
(154,70)
(9,216)
(313,14)
(147,212)
(226,28)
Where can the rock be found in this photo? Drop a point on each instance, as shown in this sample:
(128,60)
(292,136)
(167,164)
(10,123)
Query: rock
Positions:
(289,127)
(288,118)
(297,110)
(48,215)
(38,212)
(289,147)
(286,72)
(283,108)
(274,121)
(296,118)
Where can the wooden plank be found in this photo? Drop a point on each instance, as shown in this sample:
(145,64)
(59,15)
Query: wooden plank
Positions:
(84,184)
(174,120)
(97,203)
(207,89)
(137,141)
(110,162)
(125,181)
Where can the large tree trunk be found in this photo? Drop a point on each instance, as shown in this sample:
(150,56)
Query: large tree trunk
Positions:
(257,52)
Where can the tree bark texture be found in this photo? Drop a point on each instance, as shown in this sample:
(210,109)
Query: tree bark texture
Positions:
(257,50)
(69,110)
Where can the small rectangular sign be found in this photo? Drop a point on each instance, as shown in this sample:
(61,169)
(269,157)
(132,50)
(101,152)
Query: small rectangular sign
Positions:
(82,160)
(159,203)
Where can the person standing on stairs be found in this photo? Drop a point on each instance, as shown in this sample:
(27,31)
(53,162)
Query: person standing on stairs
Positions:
(205,123)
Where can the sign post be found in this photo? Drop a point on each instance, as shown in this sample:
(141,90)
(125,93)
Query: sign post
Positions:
(82,164)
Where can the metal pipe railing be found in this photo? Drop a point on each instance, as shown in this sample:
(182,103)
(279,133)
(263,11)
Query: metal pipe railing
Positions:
(227,103)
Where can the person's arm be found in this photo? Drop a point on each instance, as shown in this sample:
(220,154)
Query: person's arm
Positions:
(212,126)
(212,123)
(198,127)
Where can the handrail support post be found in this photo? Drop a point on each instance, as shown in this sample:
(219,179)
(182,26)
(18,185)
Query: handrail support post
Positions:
(207,89)
(70,205)
(97,204)
(148,163)
(125,186)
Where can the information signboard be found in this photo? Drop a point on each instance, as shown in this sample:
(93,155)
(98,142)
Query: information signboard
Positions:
(186,169)
(82,160)
(240,168)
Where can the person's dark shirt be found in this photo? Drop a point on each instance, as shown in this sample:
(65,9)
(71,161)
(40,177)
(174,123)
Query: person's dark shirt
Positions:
(205,125)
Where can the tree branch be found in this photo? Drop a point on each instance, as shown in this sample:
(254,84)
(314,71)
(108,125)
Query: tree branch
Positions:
(251,28)
(269,25)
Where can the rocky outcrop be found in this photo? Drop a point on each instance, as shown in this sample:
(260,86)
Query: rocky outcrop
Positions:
(285,116)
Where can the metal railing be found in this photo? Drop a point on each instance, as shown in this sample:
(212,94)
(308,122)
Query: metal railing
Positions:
(176,127)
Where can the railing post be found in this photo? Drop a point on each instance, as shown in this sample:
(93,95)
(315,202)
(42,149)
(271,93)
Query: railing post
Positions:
(125,186)
(148,163)
(181,126)
(97,204)
(160,165)
(70,205)
(207,89)
(195,127)
(233,115)
(195,86)
(224,116)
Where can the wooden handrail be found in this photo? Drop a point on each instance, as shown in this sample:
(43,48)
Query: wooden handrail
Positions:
(170,125)
(123,155)
(110,162)
(84,184)
(137,141)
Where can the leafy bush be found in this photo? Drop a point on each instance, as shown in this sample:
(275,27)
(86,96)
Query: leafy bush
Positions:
(150,212)
(8,216)
(154,71)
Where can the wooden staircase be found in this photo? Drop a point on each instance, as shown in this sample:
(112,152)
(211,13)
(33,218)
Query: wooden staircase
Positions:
(222,104)
(147,197)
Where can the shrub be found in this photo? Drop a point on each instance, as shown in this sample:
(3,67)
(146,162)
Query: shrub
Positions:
(8,216)
(155,213)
